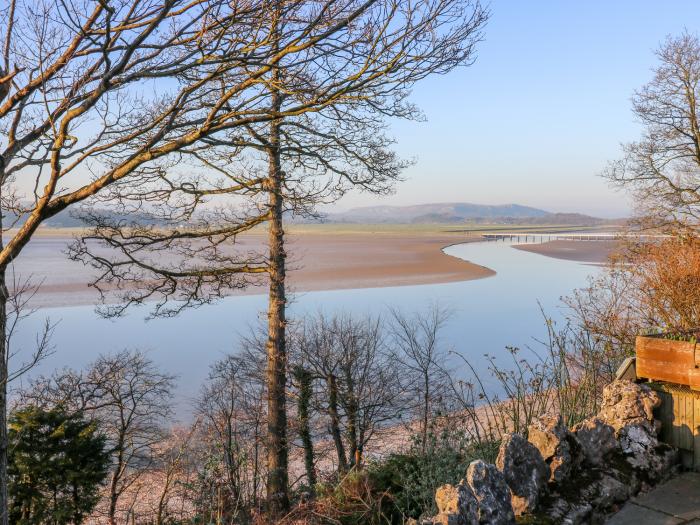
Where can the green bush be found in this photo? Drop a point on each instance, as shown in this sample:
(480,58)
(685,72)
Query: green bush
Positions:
(57,463)
(412,478)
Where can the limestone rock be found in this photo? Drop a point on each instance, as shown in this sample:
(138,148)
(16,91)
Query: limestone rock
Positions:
(524,470)
(456,505)
(608,491)
(601,491)
(558,446)
(597,439)
(578,514)
(644,452)
(492,494)
(451,519)
(627,403)
(569,513)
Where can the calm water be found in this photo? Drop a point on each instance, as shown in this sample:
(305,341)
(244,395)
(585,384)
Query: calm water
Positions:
(488,315)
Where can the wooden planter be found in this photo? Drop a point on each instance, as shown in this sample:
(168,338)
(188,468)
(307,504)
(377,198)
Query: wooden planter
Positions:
(660,359)
(679,414)
(672,367)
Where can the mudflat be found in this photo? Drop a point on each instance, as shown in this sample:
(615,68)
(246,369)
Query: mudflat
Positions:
(583,251)
(317,260)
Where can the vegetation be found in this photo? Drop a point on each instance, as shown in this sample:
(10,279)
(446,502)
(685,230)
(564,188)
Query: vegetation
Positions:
(58,462)
(273,108)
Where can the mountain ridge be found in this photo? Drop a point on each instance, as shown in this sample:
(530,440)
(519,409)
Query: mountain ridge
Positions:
(456,212)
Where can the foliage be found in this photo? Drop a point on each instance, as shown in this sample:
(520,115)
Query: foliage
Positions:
(354,500)
(662,168)
(130,398)
(681,337)
(649,286)
(567,376)
(57,464)
(411,478)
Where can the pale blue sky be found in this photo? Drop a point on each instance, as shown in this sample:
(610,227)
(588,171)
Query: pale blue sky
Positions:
(546,105)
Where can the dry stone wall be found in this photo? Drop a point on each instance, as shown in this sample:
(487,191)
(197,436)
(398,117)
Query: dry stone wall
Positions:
(562,475)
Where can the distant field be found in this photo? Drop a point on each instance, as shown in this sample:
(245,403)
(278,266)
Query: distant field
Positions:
(349,228)
(464,229)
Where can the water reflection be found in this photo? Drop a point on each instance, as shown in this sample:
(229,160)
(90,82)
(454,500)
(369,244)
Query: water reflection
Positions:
(488,315)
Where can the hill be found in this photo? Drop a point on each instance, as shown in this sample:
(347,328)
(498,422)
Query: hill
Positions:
(458,212)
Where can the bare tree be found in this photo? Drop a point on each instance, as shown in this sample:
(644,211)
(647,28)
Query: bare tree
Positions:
(76,116)
(131,401)
(360,388)
(648,286)
(662,169)
(304,383)
(418,349)
(232,412)
(173,462)
(331,73)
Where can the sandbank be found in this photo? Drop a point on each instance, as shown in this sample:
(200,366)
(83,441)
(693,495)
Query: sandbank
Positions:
(317,260)
(596,252)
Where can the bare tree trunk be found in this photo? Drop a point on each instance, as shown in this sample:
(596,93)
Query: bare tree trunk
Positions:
(4,357)
(335,423)
(304,379)
(426,409)
(277,480)
(351,410)
(114,483)
(4,296)
(113,499)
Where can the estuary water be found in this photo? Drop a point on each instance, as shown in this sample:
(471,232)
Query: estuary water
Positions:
(487,315)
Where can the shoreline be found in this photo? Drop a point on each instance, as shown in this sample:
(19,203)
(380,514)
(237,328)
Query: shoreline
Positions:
(592,252)
(318,261)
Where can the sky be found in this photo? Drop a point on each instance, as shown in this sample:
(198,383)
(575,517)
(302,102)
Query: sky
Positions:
(544,108)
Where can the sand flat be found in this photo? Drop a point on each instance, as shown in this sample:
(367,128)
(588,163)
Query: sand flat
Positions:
(317,260)
(583,251)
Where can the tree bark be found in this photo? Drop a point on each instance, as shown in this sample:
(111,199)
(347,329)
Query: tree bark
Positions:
(351,411)
(335,423)
(4,296)
(4,357)
(304,378)
(426,409)
(277,480)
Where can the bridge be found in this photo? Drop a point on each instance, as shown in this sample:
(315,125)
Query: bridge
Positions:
(545,237)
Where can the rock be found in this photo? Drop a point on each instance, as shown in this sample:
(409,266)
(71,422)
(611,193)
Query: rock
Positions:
(608,491)
(638,444)
(451,519)
(644,452)
(571,513)
(557,445)
(626,403)
(578,514)
(456,505)
(597,439)
(524,470)
(492,494)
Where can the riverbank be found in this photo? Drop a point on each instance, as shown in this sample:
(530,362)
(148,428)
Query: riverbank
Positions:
(317,260)
(596,252)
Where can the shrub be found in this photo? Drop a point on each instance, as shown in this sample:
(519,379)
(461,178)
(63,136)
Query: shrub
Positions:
(57,463)
(412,478)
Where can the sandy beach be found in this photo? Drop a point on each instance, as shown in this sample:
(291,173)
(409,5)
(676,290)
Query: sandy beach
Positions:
(317,260)
(584,251)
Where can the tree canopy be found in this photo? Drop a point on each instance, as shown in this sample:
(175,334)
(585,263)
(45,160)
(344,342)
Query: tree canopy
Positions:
(57,463)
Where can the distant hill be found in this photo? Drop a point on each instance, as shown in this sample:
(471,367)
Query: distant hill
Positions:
(71,219)
(458,212)
(439,213)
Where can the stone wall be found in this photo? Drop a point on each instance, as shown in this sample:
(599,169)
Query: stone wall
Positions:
(562,475)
